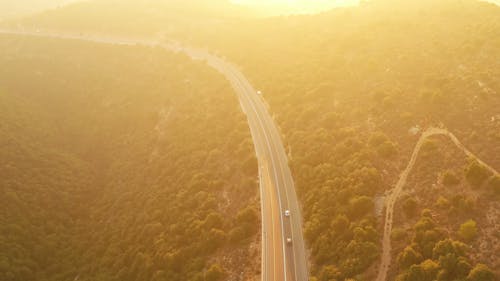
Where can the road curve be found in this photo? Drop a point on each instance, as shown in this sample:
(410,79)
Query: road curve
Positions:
(281,261)
(396,192)
(277,187)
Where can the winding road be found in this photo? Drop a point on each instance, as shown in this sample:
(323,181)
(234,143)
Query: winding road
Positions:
(396,192)
(282,260)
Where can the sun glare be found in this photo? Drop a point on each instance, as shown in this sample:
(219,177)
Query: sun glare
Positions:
(296,6)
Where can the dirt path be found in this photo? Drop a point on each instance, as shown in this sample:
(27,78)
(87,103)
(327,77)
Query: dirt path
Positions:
(396,192)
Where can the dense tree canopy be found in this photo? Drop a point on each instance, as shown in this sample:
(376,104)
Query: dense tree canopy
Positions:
(351,89)
(119,163)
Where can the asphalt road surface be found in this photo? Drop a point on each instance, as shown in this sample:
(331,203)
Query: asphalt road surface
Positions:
(282,260)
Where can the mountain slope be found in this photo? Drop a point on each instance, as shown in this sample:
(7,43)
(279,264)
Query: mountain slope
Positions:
(116,160)
(352,90)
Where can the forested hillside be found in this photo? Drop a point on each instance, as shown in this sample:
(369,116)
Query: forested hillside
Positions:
(446,219)
(352,90)
(119,163)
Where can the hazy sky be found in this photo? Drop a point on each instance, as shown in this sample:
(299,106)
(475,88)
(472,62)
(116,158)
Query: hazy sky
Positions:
(305,6)
(10,8)
(298,2)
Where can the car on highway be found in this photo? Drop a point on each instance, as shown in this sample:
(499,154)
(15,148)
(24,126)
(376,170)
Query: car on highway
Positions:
(289,240)
(287,213)
(259,93)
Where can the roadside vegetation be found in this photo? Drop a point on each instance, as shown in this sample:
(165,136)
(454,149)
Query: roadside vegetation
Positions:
(351,90)
(119,163)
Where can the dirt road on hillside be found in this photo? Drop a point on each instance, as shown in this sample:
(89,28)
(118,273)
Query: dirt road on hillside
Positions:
(396,192)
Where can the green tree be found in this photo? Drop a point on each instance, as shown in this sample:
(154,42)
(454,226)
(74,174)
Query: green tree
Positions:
(468,230)
(340,224)
(409,257)
(448,246)
(360,206)
(481,272)
(415,273)
(430,269)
